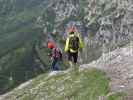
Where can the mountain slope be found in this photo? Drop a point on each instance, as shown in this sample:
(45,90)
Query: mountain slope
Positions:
(89,84)
(18,37)
(118,66)
(86,85)
(25,25)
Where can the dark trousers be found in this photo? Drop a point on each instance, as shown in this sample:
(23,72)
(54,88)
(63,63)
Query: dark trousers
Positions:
(55,64)
(73,56)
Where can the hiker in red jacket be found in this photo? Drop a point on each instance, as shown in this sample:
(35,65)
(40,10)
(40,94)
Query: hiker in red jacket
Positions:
(55,54)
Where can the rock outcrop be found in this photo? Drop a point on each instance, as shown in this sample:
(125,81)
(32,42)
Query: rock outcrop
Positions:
(118,65)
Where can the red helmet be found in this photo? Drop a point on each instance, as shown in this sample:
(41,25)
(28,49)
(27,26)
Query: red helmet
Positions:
(50,45)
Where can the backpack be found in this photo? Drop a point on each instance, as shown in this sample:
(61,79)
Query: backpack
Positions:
(74,42)
(56,53)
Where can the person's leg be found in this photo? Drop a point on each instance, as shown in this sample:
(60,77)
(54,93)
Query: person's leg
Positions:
(75,57)
(75,67)
(69,56)
(57,65)
(54,64)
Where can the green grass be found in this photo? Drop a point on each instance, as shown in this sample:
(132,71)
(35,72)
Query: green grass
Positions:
(86,85)
(117,96)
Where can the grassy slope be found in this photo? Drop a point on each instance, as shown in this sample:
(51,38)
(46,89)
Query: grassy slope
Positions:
(117,96)
(87,85)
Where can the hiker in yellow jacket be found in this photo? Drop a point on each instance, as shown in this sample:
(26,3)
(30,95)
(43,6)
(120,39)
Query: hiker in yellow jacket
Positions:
(73,44)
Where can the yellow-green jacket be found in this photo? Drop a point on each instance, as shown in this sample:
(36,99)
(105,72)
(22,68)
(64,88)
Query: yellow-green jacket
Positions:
(81,45)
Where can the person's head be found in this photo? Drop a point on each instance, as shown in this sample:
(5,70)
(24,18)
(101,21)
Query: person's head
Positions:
(50,45)
(72,32)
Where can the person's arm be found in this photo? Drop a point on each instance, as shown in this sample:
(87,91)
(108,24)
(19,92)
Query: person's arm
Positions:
(81,44)
(67,45)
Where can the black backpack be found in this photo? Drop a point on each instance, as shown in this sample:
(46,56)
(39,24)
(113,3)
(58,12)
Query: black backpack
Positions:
(74,42)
